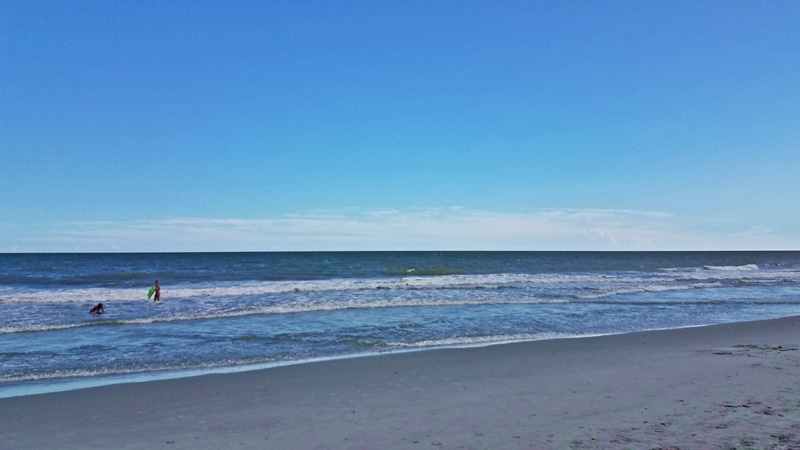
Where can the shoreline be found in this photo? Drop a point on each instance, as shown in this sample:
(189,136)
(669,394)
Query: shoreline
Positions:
(49,386)
(712,386)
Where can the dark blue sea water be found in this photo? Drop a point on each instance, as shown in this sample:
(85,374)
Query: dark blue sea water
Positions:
(231,311)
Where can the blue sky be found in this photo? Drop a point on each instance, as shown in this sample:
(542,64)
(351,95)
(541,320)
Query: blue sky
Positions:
(409,125)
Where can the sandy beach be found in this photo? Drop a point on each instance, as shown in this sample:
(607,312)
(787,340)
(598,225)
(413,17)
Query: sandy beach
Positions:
(717,387)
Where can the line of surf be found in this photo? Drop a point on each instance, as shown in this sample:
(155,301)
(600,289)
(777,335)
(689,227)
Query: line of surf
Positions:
(277,310)
(678,279)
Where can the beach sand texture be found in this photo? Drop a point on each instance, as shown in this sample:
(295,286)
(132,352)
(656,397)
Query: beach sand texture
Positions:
(716,387)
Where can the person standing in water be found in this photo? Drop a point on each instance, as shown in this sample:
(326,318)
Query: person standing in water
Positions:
(98,309)
(158,292)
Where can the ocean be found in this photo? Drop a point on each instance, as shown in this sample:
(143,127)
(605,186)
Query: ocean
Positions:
(238,311)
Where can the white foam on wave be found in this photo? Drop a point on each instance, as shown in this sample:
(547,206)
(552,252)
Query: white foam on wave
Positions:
(743,268)
(608,283)
(287,308)
(634,289)
(748,272)
(479,341)
(83,295)
(491,281)
(32,328)
(67,374)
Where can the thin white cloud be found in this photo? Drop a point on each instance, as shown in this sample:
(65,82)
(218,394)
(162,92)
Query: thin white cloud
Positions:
(390,229)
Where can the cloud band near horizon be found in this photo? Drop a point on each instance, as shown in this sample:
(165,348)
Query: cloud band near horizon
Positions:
(389,229)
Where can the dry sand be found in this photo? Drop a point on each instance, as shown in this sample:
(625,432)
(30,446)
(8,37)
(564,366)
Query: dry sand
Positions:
(717,387)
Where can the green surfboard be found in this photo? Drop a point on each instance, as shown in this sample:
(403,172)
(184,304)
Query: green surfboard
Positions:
(150,292)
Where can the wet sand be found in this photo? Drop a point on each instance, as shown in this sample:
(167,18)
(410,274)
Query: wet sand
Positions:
(716,387)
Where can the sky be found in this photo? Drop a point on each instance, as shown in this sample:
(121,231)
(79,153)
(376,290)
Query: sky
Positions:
(399,125)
